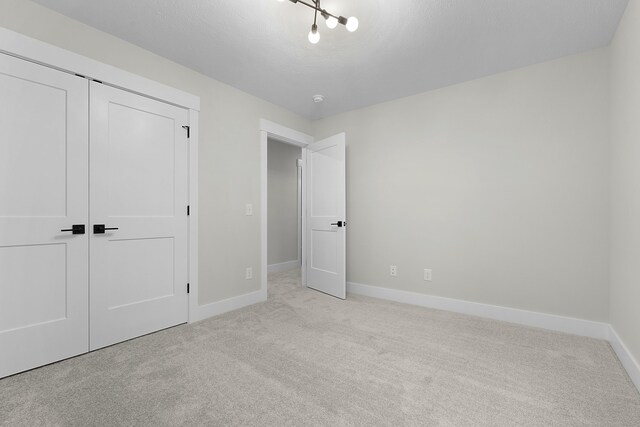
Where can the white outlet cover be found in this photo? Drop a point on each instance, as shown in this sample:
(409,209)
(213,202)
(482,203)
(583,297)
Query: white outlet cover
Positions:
(427,274)
(393,270)
(249,273)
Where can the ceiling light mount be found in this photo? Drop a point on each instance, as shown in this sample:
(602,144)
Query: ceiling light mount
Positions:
(332,21)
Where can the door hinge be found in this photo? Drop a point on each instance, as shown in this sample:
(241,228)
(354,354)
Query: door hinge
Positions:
(188,129)
(188,288)
(188,210)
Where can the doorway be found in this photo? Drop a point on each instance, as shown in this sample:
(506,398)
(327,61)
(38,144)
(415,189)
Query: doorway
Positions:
(284,206)
(270,131)
(323,205)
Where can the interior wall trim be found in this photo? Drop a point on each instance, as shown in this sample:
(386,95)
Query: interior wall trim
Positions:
(224,306)
(283,266)
(570,325)
(285,134)
(629,362)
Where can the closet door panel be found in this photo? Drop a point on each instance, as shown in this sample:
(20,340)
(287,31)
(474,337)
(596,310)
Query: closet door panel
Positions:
(43,191)
(139,179)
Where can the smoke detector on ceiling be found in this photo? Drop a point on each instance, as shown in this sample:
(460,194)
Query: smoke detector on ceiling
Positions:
(318,98)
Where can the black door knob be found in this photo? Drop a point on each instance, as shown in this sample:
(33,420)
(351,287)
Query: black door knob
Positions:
(75,229)
(100,228)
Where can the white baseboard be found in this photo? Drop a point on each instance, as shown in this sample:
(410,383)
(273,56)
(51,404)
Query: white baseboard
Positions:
(626,358)
(552,322)
(230,304)
(283,266)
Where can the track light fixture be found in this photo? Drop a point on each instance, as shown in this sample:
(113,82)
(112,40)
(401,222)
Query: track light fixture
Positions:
(332,21)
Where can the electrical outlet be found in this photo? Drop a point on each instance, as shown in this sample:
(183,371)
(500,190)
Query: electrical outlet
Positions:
(393,271)
(249,273)
(427,274)
(249,209)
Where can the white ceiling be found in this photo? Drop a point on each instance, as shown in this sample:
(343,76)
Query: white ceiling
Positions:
(403,47)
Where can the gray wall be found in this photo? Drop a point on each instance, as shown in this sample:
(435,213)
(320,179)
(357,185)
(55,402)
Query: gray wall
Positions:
(282,229)
(229,143)
(625,136)
(500,185)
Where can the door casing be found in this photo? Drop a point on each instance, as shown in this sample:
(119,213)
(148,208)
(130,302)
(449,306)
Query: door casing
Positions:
(290,136)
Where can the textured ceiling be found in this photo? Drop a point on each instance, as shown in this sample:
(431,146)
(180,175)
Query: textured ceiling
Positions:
(402,47)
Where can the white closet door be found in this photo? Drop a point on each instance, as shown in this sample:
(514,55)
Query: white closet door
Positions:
(43,191)
(139,193)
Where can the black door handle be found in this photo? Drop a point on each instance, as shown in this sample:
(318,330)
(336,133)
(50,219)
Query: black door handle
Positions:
(75,229)
(340,223)
(100,228)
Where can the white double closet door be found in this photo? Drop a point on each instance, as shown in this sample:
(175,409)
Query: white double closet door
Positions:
(75,154)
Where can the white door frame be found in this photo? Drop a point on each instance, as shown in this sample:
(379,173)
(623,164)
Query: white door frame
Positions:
(30,49)
(299,193)
(284,134)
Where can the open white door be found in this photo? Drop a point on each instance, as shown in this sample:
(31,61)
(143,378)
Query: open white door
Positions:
(325,234)
(43,215)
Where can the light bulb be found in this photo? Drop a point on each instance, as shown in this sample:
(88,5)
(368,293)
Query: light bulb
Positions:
(352,24)
(332,22)
(314,35)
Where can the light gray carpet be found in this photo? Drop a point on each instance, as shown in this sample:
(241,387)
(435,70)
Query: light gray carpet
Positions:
(304,358)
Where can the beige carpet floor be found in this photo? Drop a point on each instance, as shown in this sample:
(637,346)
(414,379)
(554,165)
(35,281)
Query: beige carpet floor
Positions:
(304,358)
